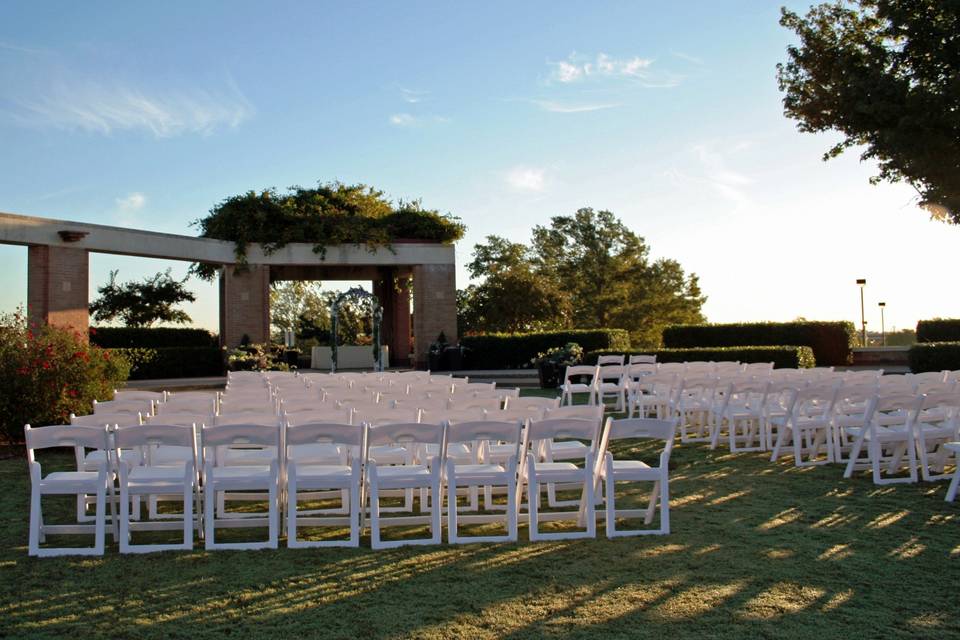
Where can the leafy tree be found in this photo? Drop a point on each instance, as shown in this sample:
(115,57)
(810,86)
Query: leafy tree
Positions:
(583,271)
(141,304)
(884,73)
(295,302)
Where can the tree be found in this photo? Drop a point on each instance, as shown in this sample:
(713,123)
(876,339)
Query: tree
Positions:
(141,304)
(512,296)
(884,73)
(583,271)
(297,302)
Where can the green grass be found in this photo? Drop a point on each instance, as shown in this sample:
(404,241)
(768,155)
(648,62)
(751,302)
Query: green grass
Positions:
(758,550)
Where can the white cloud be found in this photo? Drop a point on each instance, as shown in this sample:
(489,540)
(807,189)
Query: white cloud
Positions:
(560,107)
(403,120)
(728,183)
(413,96)
(132,203)
(578,68)
(106,108)
(523,178)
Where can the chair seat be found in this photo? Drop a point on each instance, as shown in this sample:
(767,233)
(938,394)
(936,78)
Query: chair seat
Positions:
(467,472)
(403,476)
(456,450)
(953,446)
(937,430)
(154,474)
(67,479)
(631,470)
(887,434)
(241,472)
(547,471)
(386,452)
(321,471)
(568,449)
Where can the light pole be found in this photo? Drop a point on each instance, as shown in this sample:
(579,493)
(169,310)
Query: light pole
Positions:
(862,283)
(883,329)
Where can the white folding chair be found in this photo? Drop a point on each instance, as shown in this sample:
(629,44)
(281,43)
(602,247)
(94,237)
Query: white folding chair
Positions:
(612,382)
(611,471)
(954,448)
(807,425)
(219,478)
(313,475)
(614,359)
(80,483)
(404,477)
(534,473)
(889,438)
(482,472)
(141,478)
(937,424)
(579,379)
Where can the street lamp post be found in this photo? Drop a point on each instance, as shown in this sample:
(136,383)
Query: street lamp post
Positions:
(883,328)
(862,283)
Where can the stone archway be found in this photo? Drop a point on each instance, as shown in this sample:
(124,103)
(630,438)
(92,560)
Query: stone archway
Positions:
(376,313)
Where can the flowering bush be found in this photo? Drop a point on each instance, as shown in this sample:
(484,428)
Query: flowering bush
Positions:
(47,373)
(566,356)
(257,357)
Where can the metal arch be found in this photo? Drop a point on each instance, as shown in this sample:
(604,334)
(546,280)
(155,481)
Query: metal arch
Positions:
(376,311)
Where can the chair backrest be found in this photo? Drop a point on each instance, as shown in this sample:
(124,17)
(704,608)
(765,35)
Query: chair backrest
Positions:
(405,433)
(183,419)
(575,372)
(241,434)
(472,387)
(300,405)
(641,428)
(815,399)
(265,419)
(489,404)
(386,416)
(485,431)
(453,415)
(249,404)
(509,415)
(566,428)
(107,419)
(610,359)
(325,433)
(583,411)
(532,402)
(123,406)
(638,358)
(612,372)
(325,415)
(173,435)
(175,404)
(88,437)
(134,395)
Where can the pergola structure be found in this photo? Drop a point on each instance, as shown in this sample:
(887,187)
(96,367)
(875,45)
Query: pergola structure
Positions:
(58,280)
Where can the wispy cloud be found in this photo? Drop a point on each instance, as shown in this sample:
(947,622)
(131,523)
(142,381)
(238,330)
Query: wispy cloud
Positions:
(131,203)
(410,120)
(564,107)
(413,96)
(687,57)
(523,178)
(578,68)
(10,46)
(728,183)
(106,108)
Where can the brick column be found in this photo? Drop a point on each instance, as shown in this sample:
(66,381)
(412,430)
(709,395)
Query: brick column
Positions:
(434,307)
(400,345)
(57,286)
(244,304)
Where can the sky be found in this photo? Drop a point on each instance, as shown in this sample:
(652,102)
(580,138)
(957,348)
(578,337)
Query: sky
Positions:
(504,114)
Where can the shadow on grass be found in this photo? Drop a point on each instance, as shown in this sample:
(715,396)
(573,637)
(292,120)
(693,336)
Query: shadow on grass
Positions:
(758,550)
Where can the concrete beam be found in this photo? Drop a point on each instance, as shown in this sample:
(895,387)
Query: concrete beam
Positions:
(33,231)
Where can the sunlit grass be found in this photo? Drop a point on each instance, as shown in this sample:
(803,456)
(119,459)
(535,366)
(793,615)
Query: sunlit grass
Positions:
(757,550)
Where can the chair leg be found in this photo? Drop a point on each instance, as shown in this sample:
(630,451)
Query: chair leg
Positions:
(36,523)
(436,529)
(590,506)
(954,485)
(124,519)
(665,505)
(533,503)
(273,512)
(355,509)
(188,516)
(610,522)
(854,456)
(512,507)
(292,510)
(374,514)
(209,513)
(100,530)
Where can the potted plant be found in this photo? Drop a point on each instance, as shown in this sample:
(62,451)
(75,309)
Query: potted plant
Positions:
(435,352)
(552,363)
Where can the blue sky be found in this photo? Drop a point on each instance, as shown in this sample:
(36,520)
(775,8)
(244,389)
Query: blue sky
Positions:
(148,114)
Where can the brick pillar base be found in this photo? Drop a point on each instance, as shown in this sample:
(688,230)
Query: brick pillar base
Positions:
(434,307)
(244,305)
(57,285)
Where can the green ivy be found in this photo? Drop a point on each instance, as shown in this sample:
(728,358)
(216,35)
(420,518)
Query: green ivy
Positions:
(330,214)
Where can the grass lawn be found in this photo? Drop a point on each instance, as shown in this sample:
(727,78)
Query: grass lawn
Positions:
(759,550)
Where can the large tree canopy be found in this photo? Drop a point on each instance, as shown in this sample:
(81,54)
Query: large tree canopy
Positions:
(884,73)
(141,304)
(587,270)
(332,213)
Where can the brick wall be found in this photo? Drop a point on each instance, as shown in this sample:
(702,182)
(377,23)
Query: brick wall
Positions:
(434,307)
(57,287)
(244,304)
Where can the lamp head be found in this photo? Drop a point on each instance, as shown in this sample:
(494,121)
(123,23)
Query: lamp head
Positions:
(862,282)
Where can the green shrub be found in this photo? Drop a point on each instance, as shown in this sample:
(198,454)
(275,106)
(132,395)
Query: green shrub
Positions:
(517,350)
(934,356)
(47,373)
(939,330)
(832,342)
(782,357)
(145,337)
(173,362)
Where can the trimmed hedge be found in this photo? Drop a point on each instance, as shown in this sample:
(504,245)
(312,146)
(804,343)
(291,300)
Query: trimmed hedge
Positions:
(939,330)
(516,350)
(173,362)
(153,338)
(832,342)
(782,357)
(934,356)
